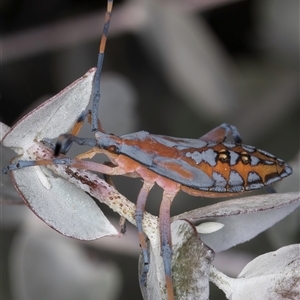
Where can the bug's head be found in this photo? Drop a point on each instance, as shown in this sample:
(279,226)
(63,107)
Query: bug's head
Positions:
(108,142)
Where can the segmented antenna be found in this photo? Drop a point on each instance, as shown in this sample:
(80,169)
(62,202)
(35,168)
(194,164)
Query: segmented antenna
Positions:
(96,82)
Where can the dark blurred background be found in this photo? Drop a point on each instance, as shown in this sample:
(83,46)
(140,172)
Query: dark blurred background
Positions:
(188,66)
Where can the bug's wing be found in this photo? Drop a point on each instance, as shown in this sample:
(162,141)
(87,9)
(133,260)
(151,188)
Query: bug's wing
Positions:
(179,143)
(57,202)
(182,172)
(160,154)
(163,141)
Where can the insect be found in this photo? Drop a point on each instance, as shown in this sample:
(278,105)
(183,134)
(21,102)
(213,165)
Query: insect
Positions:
(209,166)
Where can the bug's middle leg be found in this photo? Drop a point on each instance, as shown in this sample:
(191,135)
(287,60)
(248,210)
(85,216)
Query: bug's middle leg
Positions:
(139,213)
(166,238)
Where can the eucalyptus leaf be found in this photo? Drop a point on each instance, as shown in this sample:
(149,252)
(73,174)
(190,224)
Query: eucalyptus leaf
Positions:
(62,205)
(191,262)
(274,275)
(243,218)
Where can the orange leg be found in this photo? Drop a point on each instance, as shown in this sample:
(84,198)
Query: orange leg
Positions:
(139,213)
(166,239)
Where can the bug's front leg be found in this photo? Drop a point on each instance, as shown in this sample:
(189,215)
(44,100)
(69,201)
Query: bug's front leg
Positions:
(73,163)
(220,133)
(96,84)
(65,141)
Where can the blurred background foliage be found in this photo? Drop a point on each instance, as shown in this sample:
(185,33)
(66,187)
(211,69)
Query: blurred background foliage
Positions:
(173,67)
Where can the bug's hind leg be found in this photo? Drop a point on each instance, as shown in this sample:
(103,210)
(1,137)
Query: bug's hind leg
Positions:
(139,213)
(166,239)
(220,133)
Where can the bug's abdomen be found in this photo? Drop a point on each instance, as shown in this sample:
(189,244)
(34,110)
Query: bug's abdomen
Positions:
(237,168)
(205,166)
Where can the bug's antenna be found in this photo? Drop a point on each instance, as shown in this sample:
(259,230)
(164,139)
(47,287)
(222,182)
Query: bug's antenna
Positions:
(96,83)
